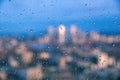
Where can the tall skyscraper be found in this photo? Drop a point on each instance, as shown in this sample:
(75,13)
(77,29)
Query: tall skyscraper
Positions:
(61,32)
(62,62)
(73,31)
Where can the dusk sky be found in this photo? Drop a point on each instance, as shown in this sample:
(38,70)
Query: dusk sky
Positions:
(18,15)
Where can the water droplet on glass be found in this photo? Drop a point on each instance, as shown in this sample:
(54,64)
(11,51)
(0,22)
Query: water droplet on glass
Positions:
(57,47)
(86,4)
(113,45)
(48,47)
(32,12)
(94,23)
(31,30)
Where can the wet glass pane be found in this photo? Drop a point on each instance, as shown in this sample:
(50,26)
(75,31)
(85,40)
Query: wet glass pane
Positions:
(59,40)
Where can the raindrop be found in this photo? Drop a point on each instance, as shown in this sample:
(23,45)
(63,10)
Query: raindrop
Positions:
(104,60)
(32,12)
(76,32)
(57,47)
(99,59)
(86,4)
(19,22)
(99,56)
(6,68)
(20,13)
(48,18)
(1,69)
(94,23)
(40,33)
(101,70)
(17,58)
(31,30)
(23,9)
(66,54)
(113,45)
(44,5)
(48,47)
(74,47)
(86,59)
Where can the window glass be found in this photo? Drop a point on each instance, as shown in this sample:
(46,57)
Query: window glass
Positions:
(59,40)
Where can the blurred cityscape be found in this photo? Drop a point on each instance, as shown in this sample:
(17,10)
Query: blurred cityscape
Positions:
(60,54)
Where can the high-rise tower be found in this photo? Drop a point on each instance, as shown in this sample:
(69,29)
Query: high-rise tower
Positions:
(61,32)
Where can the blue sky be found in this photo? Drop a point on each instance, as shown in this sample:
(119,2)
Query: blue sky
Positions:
(19,15)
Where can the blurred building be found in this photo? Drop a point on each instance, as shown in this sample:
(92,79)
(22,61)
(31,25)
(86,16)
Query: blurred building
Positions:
(51,31)
(61,33)
(103,59)
(78,36)
(13,62)
(44,55)
(27,57)
(21,48)
(74,32)
(44,40)
(94,36)
(34,73)
(62,63)
(3,75)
